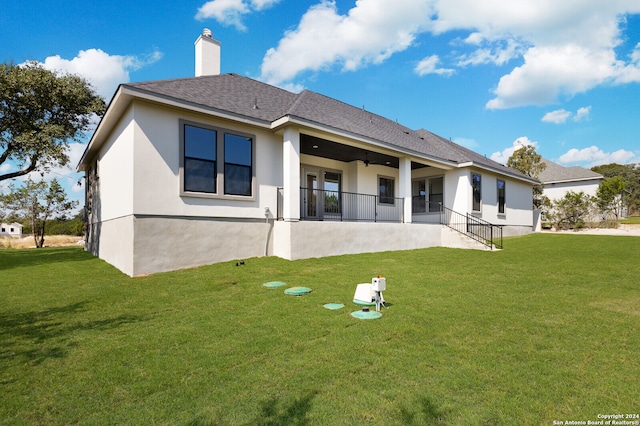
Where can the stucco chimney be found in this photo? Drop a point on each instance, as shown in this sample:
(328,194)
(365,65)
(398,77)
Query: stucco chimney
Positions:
(207,54)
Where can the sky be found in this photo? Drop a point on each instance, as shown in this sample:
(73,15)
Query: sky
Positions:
(491,75)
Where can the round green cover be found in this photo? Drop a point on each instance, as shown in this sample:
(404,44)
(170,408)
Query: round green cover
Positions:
(362,303)
(333,306)
(273,284)
(297,291)
(366,315)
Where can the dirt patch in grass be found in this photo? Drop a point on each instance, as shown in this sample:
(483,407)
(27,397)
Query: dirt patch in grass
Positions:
(49,241)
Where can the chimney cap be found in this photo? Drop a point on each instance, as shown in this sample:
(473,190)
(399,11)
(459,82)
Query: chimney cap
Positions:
(207,33)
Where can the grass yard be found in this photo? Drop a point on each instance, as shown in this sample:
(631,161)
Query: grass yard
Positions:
(546,330)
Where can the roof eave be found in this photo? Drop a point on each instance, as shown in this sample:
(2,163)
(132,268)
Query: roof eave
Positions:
(487,167)
(290,120)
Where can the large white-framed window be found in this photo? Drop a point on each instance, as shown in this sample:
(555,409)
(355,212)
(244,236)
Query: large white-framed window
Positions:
(322,195)
(386,190)
(502,196)
(427,194)
(476,192)
(216,162)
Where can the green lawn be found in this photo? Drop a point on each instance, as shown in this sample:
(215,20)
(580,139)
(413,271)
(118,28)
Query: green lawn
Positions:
(631,220)
(547,329)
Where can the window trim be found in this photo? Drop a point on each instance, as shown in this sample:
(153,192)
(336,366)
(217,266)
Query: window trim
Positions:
(220,160)
(393,196)
(473,174)
(504,204)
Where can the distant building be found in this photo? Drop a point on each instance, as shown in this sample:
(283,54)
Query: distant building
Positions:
(559,180)
(13,230)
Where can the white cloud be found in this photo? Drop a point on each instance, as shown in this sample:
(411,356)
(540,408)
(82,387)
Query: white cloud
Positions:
(231,12)
(102,70)
(429,65)
(503,156)
(558,116)
(498,53)
(552,71)
(594,156)
(263,4)
(582,114)
(369,33)
(563,48)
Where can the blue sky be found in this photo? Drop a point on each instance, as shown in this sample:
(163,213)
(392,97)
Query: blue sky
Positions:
(490,75)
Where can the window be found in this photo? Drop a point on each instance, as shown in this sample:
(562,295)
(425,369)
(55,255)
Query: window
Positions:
(332,188)
(436,193)
(237,165)
(216,162)
(386,190)
(418,196)
(200,173)
(476,184)
(501,196)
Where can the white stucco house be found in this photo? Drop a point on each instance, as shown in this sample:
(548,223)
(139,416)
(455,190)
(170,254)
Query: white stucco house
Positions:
(558,180)
(11,230)
(218,167)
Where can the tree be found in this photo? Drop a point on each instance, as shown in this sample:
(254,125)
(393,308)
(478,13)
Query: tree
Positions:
(610,196)
(40,112)
(527,161)
(630,174)
(571,210)
(37,202)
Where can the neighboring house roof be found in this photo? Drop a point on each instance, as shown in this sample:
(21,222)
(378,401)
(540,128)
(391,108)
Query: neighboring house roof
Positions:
(555,173)
(251,101)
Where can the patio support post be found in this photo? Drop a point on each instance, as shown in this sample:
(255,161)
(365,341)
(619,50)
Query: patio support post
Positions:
(405,187)
(291,174)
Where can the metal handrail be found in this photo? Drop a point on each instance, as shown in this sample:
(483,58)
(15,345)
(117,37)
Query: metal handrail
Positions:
(473,227)
(329,205)
(349,206)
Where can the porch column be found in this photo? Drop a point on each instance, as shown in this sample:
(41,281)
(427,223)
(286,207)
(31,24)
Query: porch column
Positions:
(291,174)
(405,187)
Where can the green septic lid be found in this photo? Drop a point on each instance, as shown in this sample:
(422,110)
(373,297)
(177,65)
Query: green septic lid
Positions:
(273,284)
(333,306)
(297,291)
(363,303)
(366,315)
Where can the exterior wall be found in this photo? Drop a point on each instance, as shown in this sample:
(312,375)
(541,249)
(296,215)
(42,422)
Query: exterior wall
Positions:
(169,243)
(457,188)
(302,240)
(115,172)
(112,241)
(558,190)
(157,168)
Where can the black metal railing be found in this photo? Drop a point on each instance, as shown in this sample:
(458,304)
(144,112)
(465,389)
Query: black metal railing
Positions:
(319,204)
(475,228)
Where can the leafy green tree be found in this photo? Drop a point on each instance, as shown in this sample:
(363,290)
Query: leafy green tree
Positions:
(630,174)
(527,161)
(37,202)
(571,210)
(40,112)
(611,195)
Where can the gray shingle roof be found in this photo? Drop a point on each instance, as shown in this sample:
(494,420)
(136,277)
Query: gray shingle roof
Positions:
(557,173)
(255,100)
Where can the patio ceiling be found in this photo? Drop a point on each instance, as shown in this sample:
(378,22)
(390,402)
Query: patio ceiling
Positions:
(324,148)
